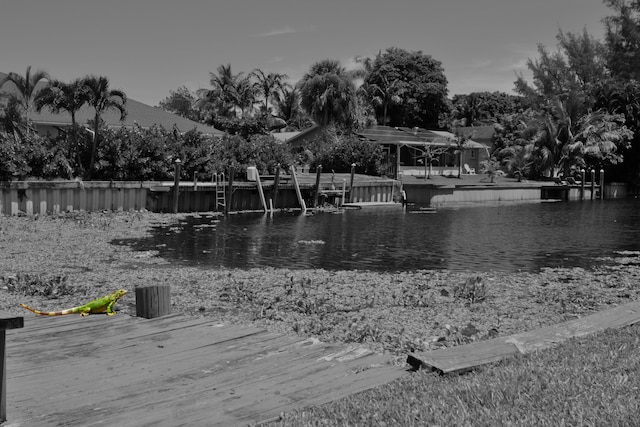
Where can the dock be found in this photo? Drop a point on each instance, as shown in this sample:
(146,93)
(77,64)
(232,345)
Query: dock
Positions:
(470,356)
(174,370)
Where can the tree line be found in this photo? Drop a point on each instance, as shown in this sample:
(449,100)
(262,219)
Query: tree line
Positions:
(580,110)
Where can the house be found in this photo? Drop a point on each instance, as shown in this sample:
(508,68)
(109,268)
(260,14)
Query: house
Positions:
(406,148)
(46,122)
(298,140)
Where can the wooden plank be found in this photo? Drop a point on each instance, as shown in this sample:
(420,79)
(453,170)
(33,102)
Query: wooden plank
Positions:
(466,357)
(176,371)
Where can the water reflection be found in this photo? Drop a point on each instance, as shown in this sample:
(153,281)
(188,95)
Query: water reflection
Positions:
(479,238)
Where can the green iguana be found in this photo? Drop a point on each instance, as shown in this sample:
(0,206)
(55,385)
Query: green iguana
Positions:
(99,305)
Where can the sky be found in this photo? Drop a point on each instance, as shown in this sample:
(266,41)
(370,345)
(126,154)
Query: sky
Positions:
(148,48)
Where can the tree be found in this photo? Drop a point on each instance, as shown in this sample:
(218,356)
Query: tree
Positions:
(622,37)
(327,93)
(516,159)
(69,97)
(569,73)
(231,93)
(482,108)
(383,94)
(26,88)
(244,95)
(102,99)
(421,87)
(563,139)
(269,86)
(288,108)
(181,102)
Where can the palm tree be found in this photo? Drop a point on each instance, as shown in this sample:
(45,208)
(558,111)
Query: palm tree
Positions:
(516,160)
(26,86)
(244,95)
(564,136)
(60,96)
(269,86)
(551,131)
(328,93)
(102,99)
(384,94)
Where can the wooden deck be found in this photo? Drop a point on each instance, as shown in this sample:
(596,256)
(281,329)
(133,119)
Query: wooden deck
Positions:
(466,357)
(174,370)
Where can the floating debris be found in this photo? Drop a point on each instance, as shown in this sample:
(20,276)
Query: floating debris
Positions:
(311,242)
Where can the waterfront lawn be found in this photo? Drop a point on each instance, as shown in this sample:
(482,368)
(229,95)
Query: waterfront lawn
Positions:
(587,381)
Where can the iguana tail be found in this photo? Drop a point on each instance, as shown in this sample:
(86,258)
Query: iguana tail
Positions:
(51,313)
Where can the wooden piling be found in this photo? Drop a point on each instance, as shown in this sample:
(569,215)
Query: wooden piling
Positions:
(5,323)
(153,301)
(353,172)
(261,192)
(601,184)
(593,183)
(303,206)
(276,184)
(317,189)
(232,173)
(176,185)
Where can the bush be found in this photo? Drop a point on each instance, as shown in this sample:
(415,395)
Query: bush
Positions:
(337,152)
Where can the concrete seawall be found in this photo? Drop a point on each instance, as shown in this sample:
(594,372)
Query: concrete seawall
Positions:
(438,195)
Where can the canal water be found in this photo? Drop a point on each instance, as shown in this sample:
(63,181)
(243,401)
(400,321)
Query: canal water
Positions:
(498,237)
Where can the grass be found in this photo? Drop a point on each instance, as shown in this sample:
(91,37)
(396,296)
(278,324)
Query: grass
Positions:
(591,381)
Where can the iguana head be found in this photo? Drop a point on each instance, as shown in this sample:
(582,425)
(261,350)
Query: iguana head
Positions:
(119,293)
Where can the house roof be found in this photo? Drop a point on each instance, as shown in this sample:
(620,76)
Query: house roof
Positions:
(479,133)
(401,135)
(137,113)
(412,136)
(285,136)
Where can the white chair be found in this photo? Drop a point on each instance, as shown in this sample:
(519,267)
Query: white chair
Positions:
(468,170)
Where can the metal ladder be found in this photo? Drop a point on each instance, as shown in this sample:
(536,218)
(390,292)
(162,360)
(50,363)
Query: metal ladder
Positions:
(221,201)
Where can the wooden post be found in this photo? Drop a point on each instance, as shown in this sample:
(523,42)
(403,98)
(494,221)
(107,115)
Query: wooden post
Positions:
(303,206)
(583,177)
(317,192)
(397,161)
(601,184)
(5,323)
(227,206)
(261,191)
(276,184)
(153,301)
(593,183)
(176,185)
(344,183)
(353,172)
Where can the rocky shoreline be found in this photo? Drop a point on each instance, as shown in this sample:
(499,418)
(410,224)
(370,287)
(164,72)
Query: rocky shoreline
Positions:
(57,262)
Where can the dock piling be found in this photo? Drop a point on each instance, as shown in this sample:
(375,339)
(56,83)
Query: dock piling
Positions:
(153,301)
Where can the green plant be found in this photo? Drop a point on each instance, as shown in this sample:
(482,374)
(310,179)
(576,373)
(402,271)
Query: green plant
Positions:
(38,285)
(472,290)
